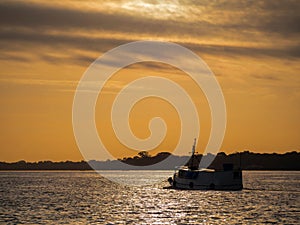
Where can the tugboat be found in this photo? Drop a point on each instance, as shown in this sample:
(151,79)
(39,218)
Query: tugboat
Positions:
(190,177)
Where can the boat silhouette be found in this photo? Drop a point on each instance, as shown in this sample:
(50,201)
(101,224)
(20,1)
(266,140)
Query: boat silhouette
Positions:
(190,177)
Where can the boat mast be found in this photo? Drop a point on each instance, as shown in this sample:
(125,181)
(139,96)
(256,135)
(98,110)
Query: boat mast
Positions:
(194,147)
(193,160)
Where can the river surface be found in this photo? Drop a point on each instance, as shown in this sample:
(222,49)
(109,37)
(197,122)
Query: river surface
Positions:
(64,197)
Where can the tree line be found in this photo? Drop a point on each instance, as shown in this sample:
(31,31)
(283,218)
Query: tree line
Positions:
(245,160)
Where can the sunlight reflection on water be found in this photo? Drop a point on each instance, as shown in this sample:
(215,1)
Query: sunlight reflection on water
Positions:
(85,197)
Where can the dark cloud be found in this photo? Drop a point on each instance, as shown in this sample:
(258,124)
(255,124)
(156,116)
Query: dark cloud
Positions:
(24,25)
(152,65)
(22,41)
(266,77)
(291,51)
(267,16)
(40,17)
(272,16)
(13,57)
(19,40)
(75,59)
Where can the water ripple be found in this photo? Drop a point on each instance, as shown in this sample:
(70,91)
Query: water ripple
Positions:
(87,198)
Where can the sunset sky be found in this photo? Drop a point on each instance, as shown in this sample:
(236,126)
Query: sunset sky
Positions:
(251,46)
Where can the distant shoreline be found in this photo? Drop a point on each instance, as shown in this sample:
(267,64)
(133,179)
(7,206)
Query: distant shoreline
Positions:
(289,161)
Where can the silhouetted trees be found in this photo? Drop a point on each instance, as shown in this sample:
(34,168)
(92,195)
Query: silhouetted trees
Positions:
(144,158)
(45,165)
(246,160)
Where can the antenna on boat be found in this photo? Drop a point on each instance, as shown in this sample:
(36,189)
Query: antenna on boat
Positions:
(194,147)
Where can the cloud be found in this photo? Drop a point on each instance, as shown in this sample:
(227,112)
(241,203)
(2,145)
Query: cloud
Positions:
(266,77)
(205,19)
(41,17)
(266,28)
(37,44)
(251,51)
(13,57)
(20,81)
(82,59)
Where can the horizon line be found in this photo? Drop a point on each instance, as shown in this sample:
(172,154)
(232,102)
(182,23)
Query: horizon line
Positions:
(150,156)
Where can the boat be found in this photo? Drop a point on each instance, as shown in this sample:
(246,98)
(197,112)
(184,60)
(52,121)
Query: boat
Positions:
(190,177)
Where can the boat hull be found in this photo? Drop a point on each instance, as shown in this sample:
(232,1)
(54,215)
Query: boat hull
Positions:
(206,180)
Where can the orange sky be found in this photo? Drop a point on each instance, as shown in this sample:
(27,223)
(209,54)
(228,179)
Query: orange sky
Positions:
(46,46)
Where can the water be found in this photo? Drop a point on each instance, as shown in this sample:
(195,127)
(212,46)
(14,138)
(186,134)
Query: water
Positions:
(86,198)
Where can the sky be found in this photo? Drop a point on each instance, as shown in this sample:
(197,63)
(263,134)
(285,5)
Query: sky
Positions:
(46,46)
